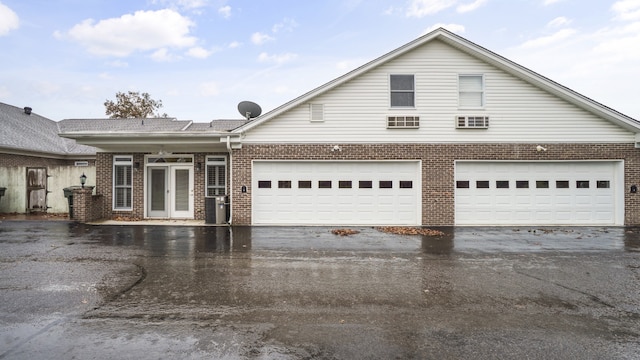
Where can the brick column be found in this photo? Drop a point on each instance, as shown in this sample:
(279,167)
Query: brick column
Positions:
(82,204)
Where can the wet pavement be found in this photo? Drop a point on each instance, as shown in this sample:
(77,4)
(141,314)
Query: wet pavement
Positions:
(69,291)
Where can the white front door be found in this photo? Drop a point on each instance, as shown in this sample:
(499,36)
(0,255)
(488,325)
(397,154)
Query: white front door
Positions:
(170,191)
(181,191)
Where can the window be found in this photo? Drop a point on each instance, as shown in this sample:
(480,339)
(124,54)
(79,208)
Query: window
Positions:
(470,91)
(122,182)
(365,184)
(562,184)
(284,184)
(402,90)
(482,184)
(316,112)
(385,184)
(403,122)
(344,184)
(502,184)
(603,184)
(542,184)
(324,184)
(462,184)
(216,176)
(264,184)
(304,184)
(582,184)
(408,184)
(522,184)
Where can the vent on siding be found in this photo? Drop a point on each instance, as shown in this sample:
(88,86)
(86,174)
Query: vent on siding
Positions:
(317,112)
(403,122)
(82,163)
(472,122)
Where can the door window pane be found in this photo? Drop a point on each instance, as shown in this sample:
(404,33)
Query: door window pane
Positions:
(462,184)
(562,184)
(502,184)
(482,184)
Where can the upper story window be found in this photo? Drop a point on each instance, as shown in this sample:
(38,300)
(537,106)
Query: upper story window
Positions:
(122,182)
(402,90)
(471,91)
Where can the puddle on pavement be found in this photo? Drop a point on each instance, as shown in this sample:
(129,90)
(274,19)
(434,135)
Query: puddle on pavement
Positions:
(161,240)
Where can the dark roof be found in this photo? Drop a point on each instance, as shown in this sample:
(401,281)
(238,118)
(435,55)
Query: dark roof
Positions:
(35,133)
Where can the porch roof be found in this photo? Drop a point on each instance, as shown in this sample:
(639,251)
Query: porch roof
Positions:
(151,134)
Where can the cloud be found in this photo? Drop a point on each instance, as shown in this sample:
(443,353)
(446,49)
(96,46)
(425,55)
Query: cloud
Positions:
(559,22)
(259,38)
(225,11)
(464,8)
(118,64)
(545,41)
(550,2)
(199,53)
(627,10)
(286,25)
(277,59)
(454,28)
(140,31)
(422,8)
(8,20)
(209,89)
(163,55)
(235,44)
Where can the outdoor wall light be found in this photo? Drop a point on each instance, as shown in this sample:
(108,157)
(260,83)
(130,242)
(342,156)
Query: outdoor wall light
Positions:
(198,166)
(336,148)
(136,165)
(83,179)
(540,148)
(634,189)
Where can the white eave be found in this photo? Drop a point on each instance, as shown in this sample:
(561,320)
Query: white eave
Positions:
(151,141)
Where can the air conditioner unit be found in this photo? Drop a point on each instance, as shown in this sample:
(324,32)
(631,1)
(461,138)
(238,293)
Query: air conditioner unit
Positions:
(404,122)
(472,122)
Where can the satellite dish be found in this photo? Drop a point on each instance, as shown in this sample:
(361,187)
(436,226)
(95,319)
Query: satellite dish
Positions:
(249,109)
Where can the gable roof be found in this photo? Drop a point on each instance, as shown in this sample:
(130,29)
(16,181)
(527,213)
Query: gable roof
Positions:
(35,135)
(476,51)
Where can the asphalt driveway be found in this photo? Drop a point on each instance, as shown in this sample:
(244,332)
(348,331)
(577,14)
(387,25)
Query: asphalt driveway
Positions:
(69,290)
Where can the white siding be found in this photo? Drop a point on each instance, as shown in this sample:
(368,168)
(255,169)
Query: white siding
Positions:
(356,111)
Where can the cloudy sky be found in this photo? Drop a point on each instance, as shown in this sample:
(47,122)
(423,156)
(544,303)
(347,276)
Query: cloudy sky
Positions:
(64,58)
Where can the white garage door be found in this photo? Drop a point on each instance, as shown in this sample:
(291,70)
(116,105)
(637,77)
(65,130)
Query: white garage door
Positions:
(336,193)
(539,193)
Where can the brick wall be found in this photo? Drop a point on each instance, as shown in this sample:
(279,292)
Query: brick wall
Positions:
(104,184)
(437,168)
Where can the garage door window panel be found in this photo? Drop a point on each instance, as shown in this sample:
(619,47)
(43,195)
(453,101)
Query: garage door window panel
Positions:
(462,184)
(482,184)
(406,184)
(384,184)
(562,184)
(284,184)
(264,184)
(582,184)
(542,184)
(324,184)
(365,184)
(522,184)
(603,184)
(344,184)
(502,184)
(304,184)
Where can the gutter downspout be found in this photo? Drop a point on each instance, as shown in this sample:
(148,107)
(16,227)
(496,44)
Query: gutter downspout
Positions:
(230,180)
